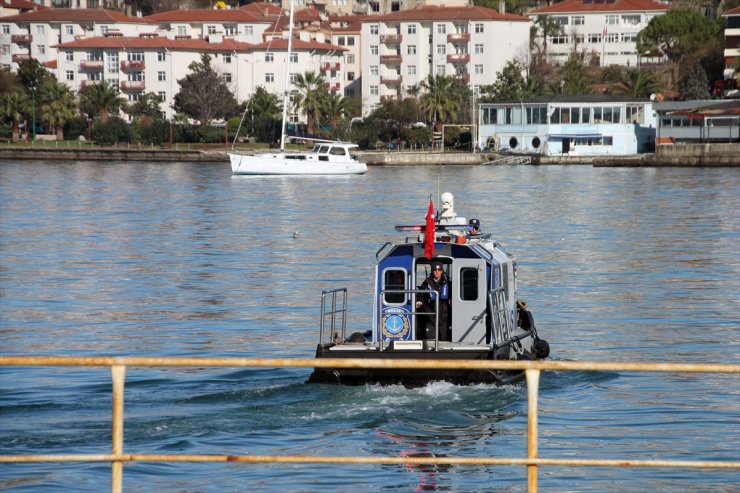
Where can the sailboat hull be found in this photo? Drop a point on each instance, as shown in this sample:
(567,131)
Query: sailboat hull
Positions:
(294,164)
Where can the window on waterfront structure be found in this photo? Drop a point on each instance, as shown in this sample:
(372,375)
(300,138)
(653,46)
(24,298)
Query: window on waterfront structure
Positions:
(374,29)
(211,29)
(161,56)
(341,41)
(575,115)
(560,20)
(182,30)
(269,57)
(294,57)
(161,75)
(136,56)
(478,69)
(374,70)
(136,77)
(611,20)
(95,56)
(5,50)
(441,28)
(586,115)
(162,96)
(536,115)
(230,30)
(374,90)
(411,70)
(374,50)
(440,69)
(227,77)
(69,56)
(629,37)
(440,49)
(559,40)
(478,27)
(394,279)
(6,28)
(612,38)
(634,113)
(350,58)
(227,57)
(411,29)
(95,76)
(39,29)
(293,78)
(350,76)
(411,49)
(594,37)
(134,96)
(249,30)
(478,49)
(70,75)
(69,30)
(41,49)
(631,20)
(269,77)
(113,83)
(577,20)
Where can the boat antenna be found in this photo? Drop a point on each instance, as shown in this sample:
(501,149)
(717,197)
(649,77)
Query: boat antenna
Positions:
(287,79)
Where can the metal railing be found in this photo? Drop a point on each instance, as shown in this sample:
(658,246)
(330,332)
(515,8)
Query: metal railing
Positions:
(336,307)
(532,369)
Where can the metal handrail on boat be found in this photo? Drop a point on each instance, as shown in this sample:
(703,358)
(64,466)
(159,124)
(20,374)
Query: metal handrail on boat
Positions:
(342,310)
(532,461)
(413,313)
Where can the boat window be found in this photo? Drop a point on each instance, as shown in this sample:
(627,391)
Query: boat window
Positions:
(468,284)
(324,149)
(337,151)
(394,279)
(316,148)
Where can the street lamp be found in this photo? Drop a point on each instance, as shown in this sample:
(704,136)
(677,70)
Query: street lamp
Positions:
(33,113)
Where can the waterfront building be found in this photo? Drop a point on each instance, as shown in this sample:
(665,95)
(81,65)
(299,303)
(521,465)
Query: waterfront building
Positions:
(732,53)
(399,50)
(589,125)
(13,7)
(698,122)
(605,31)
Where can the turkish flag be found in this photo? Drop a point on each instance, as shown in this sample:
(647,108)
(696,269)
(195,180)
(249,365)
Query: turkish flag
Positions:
(429,232)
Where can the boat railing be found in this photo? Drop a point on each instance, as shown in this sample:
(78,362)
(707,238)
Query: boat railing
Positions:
(532,461)
(503,317)
(333,307)
(413,313)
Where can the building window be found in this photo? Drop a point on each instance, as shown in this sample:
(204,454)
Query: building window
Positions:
(211,29)
(161,56)
(440,69)
(478,49)
(441,28)
(69,30)
(559,40)
(560,20)
(350,58)
(294,57)
(162,96)
(269,57)
(374,90)
(374,29)
(269,77)
(478,69)
(373,70)
(440,49)
(230,30)
(374,50)
(70,75)
(293,78)
(136,56)
(577,20)
(69,56)
(612,20)
(594,37)
(41,49)
(478,27)
(341,41)
(6,29)
(113,61)
(350,76)
(411,49)
(249,30)
(227,57)
(136,77)
(411,29)
(227,77)
(40,29)
(182,30)
(629,37)
(411,70)
(161,75)
(134,96)
(631,20)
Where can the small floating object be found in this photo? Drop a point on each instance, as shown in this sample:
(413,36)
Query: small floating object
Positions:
(437,298)
(295,234)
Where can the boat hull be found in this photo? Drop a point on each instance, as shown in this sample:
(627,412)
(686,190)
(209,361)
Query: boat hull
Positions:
(410,377)
(293,164)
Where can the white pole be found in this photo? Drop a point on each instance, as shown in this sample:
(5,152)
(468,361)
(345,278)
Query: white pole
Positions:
(287,81)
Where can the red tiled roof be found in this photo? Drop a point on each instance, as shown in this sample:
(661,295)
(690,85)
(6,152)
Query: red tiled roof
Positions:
(208,15)
(131,42)
(586,6)
(265,9)
(435,13)
(51,64)
(22,5)
(735,11)
(81,16)
(281,44)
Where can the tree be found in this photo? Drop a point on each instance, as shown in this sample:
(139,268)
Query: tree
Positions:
(147,106)
(14,106)
(58,106)
(639,83)
(510,84)
(310,97)
(204,95)
(693,84)
(678,33)
(575,78)
(101,100)
(264,114)
(338,110)
(436,102)
(8,81)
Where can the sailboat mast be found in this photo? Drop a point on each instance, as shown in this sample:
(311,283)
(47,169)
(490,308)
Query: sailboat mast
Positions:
(286,94)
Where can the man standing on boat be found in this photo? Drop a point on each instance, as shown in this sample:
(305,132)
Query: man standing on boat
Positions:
(439,282)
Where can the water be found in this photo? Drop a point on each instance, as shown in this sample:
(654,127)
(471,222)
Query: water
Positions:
(185,260)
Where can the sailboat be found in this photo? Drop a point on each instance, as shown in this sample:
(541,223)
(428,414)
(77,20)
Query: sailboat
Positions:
(325,158)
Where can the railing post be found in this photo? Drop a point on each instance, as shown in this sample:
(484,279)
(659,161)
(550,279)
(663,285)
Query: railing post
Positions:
(533,383)
(118,372)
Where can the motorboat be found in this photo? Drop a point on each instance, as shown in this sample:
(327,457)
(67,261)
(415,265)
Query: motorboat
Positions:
(484,319)
(325,158)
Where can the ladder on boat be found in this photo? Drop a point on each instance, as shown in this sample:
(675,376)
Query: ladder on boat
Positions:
(511,160)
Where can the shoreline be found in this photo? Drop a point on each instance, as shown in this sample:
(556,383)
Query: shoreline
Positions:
(717,155)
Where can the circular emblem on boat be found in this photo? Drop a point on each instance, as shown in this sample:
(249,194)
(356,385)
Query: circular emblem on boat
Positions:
(395,323)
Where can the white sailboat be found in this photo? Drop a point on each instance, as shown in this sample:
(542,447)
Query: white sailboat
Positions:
(326,157)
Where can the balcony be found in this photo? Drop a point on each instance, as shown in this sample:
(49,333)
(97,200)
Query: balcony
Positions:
(88,83)
(133,85)
(91,65)
(458,58)
(463,77)
(335,86)
(328,66)
(391,59)
(20,57)
(129,65)
(458,38)
(21,39)
(383,99)
(391,81)
(391,39)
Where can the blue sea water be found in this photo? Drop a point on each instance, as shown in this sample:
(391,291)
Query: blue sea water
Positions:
(183,259)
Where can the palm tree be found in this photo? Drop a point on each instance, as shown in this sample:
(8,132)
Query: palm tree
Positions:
(265,111)
(58,106)
(100,99)
(310,96)
(338,110)
(438,102)
(14,106)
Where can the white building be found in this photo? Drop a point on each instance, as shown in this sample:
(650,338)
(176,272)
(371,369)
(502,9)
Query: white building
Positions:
(401,49)
(589,125)
(605,29)
(732,52)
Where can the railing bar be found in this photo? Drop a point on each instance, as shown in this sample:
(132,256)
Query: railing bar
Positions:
(119,375)
(140,361)
(533,384)
(373,460)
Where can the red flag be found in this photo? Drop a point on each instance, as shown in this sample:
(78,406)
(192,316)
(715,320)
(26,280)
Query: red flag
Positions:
(429,232)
